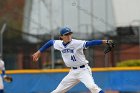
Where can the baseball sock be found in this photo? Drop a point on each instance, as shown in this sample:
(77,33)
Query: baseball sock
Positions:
(1,91)
(101,91)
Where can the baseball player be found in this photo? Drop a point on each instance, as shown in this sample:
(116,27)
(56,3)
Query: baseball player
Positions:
(3,76)
(73,56)
(2,68)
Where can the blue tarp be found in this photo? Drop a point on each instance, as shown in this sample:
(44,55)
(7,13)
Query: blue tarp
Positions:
(46,82)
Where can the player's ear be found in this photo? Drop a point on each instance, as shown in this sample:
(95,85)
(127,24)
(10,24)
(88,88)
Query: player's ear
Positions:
(60,37)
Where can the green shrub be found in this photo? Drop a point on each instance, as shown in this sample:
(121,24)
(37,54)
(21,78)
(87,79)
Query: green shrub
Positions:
(129,63)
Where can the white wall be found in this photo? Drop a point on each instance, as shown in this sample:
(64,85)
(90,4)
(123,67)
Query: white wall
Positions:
(126,11)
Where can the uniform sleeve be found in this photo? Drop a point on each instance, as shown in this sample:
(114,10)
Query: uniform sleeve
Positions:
(46,45)
(57,44)
(81,44)
(93,42)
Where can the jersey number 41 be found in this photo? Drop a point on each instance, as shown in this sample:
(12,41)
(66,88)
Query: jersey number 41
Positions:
(73,58)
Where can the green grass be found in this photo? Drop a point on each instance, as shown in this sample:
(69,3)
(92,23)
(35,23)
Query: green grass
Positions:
(129,63)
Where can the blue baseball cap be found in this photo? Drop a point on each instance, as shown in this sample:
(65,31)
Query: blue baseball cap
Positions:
(65,30)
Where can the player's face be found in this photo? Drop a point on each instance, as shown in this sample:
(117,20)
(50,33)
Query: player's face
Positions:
(67,37)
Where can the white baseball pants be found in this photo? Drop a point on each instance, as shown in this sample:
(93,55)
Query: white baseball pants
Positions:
(75,76)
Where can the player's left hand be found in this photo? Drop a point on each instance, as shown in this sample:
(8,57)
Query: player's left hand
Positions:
(110,45)
(8,79)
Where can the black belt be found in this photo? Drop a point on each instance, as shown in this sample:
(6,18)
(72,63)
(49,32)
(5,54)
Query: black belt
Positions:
(77,67)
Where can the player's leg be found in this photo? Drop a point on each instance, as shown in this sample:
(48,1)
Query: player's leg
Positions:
(1,85)
(67,83)
(86,78)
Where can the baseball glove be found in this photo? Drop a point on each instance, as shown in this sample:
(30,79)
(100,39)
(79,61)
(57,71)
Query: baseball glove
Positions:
(8,79)
(110,45)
